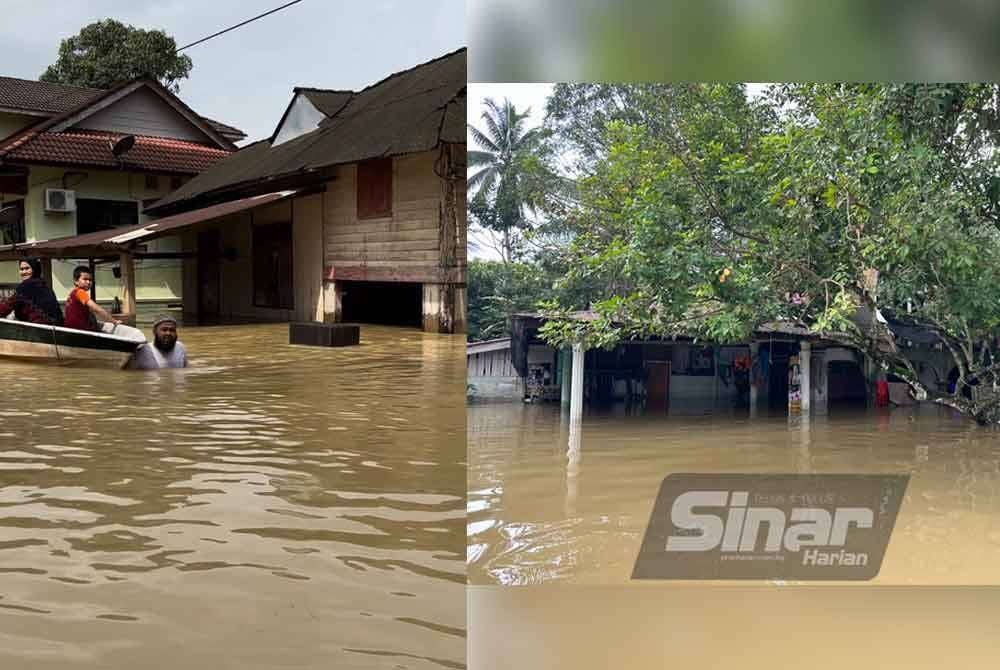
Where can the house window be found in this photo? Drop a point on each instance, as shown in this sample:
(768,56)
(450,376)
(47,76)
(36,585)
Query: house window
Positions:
(152,182)
(375,188)
(272,266)
(95,215)
(12,222)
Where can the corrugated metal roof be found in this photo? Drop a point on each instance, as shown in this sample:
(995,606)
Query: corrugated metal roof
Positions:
(327,101)
(408,112)
(119,239)
(488,345)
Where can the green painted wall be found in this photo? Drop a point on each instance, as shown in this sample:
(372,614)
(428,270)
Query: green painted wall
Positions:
(159,280)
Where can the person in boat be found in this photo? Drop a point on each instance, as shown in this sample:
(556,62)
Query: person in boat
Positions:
(83,313)
(33,300)
(166,351)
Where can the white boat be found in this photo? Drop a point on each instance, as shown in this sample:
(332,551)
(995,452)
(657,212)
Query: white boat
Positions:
(55,344)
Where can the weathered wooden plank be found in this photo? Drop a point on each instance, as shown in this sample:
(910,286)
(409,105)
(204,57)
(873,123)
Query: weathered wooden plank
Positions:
(389,256)
(376,251)
(381,238)
(395,272)
(384,227)
(417,204)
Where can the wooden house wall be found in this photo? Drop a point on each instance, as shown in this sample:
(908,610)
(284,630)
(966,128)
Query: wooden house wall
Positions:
(402,247)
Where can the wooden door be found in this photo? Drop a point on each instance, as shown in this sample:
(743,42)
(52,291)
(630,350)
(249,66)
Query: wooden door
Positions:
(657,386)
(209,293)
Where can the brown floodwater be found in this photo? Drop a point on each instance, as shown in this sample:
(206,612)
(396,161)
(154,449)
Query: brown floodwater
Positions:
(269,507)
(541,512)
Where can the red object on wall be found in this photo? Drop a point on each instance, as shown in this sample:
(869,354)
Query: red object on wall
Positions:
(881,393)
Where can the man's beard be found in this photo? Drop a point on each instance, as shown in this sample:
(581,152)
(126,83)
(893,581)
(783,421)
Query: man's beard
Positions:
(164,345)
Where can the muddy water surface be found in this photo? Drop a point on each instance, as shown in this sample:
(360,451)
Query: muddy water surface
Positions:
(270,507)
(540,512)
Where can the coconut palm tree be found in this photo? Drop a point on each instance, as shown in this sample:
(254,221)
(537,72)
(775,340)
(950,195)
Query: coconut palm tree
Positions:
(498,197)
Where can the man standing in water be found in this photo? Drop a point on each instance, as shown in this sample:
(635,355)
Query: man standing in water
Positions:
(165,351)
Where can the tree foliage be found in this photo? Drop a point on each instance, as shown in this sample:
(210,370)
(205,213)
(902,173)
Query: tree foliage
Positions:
(708,212)
(500,195)
(497,290)
(107,53)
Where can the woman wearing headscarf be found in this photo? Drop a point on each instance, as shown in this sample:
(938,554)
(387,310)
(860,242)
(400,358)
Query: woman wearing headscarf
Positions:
(33,301)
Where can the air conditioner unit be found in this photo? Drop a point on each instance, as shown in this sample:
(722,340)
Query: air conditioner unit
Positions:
(60,200)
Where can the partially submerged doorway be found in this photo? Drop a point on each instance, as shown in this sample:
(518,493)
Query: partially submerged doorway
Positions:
(388,303)
(846,386)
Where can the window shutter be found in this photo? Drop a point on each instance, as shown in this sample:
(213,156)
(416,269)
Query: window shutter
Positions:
(375,188)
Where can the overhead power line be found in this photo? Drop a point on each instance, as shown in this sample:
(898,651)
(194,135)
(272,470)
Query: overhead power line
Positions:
(223,32)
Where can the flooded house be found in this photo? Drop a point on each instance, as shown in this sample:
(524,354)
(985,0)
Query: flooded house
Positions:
(352,210)
(77,161)
(783,368)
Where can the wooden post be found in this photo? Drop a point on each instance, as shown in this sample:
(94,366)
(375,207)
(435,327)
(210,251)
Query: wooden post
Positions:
(754,353)
(128,287)
(805,353)
(47,271)
(576,388)
(93,279)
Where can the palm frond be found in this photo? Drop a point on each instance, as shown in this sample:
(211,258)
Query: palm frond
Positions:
(483,141)
(477,158)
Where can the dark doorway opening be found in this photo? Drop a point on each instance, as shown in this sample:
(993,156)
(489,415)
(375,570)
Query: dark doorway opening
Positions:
(272,266)
(846,385)
(209,293)
(777,385)
(388,303)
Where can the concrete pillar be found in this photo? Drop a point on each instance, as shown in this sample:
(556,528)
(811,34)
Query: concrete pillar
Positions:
(573,460)
(566,368)
(333,308)
(439,306)
(805,356)
(461,311)
(821,387)
(576,388)
(754,350)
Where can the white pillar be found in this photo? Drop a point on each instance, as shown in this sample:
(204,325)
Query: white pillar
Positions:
(565,365)
(576,387)
(754,350)
(573,458)
(805,353)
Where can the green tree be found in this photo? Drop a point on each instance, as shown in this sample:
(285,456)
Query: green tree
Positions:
(500,197)
(821,205)
(497,290)
(107,53)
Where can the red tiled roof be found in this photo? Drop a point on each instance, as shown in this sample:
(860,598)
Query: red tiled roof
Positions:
(93,149)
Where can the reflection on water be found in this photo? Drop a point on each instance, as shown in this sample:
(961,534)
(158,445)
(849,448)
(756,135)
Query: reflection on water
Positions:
(271,506)
(546,505)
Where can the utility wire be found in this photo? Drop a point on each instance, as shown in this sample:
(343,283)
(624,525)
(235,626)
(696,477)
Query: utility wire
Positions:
(222,32)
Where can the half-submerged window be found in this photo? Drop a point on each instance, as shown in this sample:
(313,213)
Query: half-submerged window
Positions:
(12,222)
(272,266)
(94,215)
(375,188)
